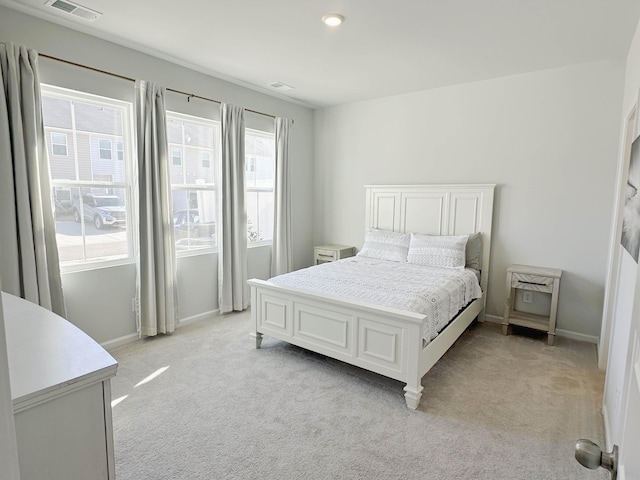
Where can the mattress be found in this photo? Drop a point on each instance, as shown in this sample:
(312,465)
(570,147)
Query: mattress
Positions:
(437,293)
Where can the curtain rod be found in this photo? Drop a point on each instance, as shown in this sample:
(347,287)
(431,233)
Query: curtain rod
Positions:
(122,77)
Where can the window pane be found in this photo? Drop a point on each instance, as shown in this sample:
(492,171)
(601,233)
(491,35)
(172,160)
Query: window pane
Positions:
(259,216)
(94,151)
(194,209)
(91,226)
(59,143)
(260,178)
(195,170)
(91,222)
(120,148)
(194,219)
(176,156)
(105,149)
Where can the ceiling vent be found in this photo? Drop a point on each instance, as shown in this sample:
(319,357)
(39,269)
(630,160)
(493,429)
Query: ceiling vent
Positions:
(74,9)
(281,87)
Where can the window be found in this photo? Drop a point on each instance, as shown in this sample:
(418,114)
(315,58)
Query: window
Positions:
(176,156)
(59,144)
(120,150)
(91,195)
(260,153)
(105,149)
(193,142)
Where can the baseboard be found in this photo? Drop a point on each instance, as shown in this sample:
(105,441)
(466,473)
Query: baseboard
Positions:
(118,342)
(492,318)
(132,337)
(559,332)
(199,317)
(577,336)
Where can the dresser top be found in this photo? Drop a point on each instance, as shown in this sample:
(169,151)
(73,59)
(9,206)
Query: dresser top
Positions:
(47,353)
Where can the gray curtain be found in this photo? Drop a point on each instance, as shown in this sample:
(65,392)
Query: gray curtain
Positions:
(29,266)
(281,254)
(233,292)
(157,305)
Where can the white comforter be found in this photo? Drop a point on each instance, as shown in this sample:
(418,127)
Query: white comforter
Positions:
(438,293)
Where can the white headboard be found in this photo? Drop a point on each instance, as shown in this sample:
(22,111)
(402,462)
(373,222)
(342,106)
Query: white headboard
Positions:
(434,210)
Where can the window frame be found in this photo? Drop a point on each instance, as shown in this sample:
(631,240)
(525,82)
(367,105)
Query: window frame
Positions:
(127,185)
(195,187)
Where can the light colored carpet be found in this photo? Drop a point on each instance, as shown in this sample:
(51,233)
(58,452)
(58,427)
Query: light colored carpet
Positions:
(494,407)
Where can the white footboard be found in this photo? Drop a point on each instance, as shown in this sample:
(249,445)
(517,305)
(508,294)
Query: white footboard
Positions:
(380,339)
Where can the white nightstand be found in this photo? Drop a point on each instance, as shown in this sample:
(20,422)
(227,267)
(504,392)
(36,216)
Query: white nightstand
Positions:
(532,279)
(331,253)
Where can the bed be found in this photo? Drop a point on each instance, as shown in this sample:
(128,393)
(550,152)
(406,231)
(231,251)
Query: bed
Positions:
(394,342)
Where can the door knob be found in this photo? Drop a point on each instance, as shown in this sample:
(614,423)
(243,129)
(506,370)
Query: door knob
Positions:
(590,455)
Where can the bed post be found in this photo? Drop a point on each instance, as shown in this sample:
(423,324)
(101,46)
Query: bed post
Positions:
(254,317)
(413,388)
(258,338)
(413,395)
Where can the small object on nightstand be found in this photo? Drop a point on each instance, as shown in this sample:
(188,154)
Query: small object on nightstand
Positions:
(331,253)
(532,279)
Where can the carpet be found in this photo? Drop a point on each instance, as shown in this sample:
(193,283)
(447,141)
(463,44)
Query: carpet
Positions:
(493,407)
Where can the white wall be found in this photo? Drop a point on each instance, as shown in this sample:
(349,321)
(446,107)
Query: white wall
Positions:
(548,139)
(99,301)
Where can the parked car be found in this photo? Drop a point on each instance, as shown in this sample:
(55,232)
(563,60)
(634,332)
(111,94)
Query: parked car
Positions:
(102,210)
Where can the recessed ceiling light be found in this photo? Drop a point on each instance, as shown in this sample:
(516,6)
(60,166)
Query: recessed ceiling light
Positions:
(332,19)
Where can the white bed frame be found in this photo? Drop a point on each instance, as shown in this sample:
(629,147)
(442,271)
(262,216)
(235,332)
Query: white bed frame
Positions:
(380,339)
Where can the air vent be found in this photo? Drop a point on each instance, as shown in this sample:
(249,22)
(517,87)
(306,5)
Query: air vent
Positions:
(74,9)
(282,87)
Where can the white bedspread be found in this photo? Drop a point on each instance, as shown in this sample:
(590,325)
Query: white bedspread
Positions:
(438,293)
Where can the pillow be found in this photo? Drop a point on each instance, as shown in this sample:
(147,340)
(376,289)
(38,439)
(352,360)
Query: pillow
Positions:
(474,251)
(446,251)
(385,245)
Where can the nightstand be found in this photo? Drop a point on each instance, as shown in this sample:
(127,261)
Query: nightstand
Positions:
(331,253)
(532,279)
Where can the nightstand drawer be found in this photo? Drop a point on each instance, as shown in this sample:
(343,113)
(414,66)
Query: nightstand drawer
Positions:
(525,281)
(331,253)
(326,255)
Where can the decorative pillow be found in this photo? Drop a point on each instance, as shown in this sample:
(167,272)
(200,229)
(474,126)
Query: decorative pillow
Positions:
(446,251)
(474,251)
(385,245)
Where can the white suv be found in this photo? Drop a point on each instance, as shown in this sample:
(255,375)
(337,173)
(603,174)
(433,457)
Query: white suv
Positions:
(101,210)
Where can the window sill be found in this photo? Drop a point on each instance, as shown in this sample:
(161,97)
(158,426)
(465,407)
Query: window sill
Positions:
(83,267)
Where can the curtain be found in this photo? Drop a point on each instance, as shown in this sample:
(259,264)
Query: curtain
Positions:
(29,266)
(233,292)
(281,254)
(157,305)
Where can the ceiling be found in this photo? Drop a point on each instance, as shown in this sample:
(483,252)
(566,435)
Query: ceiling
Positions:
(384,47)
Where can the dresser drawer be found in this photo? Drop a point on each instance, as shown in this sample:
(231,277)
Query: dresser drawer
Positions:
(525,281)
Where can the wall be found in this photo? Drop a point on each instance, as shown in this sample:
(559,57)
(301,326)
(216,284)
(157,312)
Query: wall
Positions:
(99,301)
(548,139)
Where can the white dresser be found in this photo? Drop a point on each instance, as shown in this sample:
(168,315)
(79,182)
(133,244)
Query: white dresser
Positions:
(61,390)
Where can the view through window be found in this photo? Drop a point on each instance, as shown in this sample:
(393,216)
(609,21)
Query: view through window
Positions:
(193,142)
(260,176)
(88,141)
